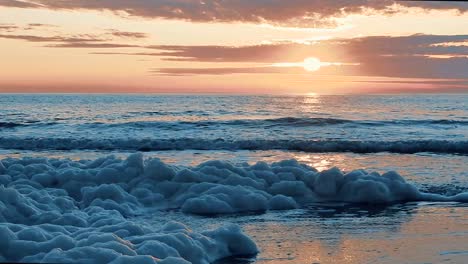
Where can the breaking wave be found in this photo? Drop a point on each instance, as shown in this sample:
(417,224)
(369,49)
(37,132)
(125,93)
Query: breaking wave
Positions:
(271,122)
(283,121)
(405,146)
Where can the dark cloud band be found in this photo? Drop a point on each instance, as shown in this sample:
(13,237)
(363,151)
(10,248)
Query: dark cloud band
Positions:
(299,13)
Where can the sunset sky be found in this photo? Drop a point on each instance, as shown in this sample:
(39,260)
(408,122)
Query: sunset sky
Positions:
(239,46)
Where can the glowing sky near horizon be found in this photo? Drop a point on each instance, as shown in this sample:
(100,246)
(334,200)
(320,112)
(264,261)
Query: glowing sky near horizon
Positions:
(233,46)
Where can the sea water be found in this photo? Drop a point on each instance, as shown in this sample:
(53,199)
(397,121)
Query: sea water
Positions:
(422,137)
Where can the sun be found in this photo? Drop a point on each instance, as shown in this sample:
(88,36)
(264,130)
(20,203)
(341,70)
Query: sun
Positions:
(311,64)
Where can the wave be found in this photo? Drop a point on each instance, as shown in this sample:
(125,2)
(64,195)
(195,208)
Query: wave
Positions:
(404,146)
(9,124)
(334,121)
(276,122)
(169,113)
(25,123)
(284,121)
(265,123)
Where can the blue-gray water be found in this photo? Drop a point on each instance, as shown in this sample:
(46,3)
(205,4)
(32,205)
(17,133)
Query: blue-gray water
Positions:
(361,124)
(423,137)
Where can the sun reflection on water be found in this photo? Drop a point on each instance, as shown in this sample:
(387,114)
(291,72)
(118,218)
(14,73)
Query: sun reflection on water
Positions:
(409,233)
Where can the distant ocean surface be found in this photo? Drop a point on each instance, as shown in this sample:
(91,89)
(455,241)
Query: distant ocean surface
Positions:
(422,137)
(359,124)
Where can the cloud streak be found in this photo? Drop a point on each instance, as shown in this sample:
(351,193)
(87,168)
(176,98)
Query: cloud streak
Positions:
(127,34)
(90,45)
(19,4)
(8,27)
(72,41)
(31,26)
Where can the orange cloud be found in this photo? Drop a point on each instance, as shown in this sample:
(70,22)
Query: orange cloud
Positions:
(298,13)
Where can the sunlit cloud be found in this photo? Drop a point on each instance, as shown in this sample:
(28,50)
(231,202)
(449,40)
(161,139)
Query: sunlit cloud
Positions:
(19,4)
(408,56)
(296,13)
(446,56)
(451,44)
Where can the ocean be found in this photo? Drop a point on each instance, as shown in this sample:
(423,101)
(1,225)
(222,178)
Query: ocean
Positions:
(219,143)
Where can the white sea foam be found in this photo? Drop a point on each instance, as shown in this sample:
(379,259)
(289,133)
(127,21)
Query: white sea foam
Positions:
(57,210)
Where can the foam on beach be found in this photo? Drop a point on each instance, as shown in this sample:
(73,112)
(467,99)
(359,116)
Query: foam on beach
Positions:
(58,210)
